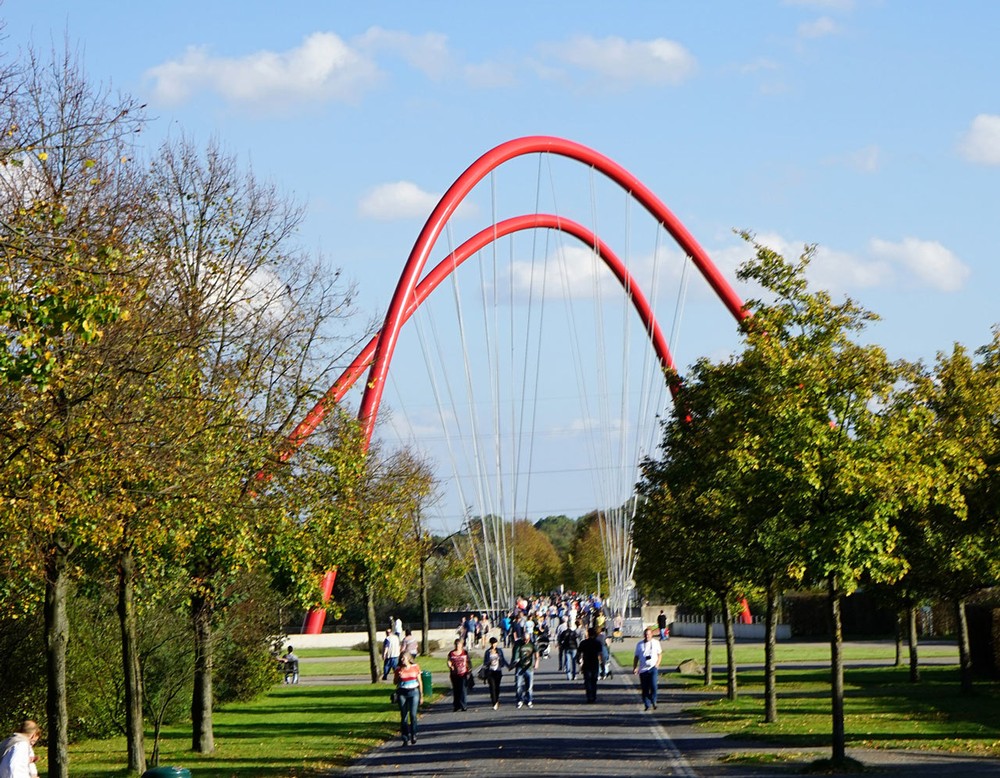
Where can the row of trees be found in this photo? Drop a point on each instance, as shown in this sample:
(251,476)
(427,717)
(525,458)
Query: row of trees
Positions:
(812,458)
(164,333)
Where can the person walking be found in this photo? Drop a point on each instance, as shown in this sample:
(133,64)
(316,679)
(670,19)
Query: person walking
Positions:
(495,662)
(524,658)
(17,752)
(459,668)
(646,664)
(390,653)
(589,655)
(602,638)
(410,645)
(409,695)
(661,625)
(568,642)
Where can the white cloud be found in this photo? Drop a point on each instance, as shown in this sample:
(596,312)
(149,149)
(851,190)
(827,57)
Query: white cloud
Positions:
(820,28)
(572,272)
(629,63)
(323,68)
(981,144)
(403,200)
(427,53)
(838,272)
(925,261)
(910,262)
(843,272)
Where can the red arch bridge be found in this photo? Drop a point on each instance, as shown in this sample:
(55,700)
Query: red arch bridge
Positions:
(414,289)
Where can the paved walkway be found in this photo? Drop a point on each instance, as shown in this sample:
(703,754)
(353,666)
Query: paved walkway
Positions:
(564,736)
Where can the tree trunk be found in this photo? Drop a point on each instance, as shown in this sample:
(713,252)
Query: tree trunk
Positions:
(708,646)
(727,627)
(770,648)
(836,671)
(202,737)
(372,632)
(899,639)
(964,656)
(56,642)
(425,610)
(130,663)
(911,632)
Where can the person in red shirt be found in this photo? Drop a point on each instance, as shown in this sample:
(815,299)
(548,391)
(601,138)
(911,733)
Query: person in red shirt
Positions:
(410,694)
(460,667)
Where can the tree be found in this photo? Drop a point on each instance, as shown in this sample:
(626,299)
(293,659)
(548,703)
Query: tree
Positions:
(845,488)
(950,538)
(534,557)
(585,561)
(356,511)
(689,529)
(264,321)
(560,530)
(67,236)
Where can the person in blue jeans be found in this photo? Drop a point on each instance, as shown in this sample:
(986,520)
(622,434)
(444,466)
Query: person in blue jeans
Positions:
(524,660)
(410,695)
(646,664)
(569,640)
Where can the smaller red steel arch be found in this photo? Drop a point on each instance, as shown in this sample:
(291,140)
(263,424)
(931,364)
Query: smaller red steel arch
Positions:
(441,271)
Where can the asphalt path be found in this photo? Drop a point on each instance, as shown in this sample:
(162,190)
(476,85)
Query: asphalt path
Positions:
(563,735)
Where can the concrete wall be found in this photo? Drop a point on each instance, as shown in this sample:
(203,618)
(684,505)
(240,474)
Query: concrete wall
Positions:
(350,639)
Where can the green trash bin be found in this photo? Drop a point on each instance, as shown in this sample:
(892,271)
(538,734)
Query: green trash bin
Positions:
(167,772)
(428,684)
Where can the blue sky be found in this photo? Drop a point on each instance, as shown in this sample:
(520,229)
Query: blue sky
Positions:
(868,127)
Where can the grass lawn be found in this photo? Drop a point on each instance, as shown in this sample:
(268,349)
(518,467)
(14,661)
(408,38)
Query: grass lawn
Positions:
(291,731)
(753,653)
(882,708)
(361,667)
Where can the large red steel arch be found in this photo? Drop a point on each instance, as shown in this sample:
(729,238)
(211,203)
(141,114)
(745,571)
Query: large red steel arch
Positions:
(409,294)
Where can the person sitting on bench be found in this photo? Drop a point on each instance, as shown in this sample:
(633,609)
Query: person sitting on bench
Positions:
(291,663)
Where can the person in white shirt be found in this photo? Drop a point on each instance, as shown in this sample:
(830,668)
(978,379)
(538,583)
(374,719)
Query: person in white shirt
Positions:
(390,653)
(646,664)
(17,753)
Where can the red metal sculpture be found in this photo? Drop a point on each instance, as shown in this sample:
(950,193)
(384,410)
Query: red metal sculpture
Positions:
(409,294)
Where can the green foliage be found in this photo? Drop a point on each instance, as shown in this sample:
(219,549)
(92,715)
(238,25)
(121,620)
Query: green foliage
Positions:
(561,532)
(22,670)
(244,666)
(585,560)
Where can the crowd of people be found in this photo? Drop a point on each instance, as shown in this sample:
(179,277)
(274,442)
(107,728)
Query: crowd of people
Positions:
(577,628)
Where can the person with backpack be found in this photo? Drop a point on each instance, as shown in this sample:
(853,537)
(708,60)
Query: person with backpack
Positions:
(524,659)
